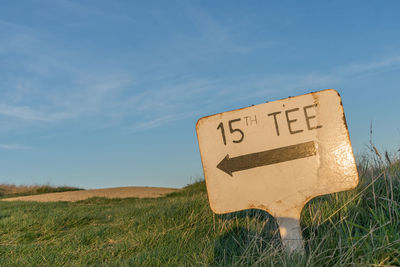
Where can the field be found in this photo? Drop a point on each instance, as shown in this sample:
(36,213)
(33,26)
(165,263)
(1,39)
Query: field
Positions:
(113,192)
(9,190)
(359,227)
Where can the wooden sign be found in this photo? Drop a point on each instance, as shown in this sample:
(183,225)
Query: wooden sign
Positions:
(276,157)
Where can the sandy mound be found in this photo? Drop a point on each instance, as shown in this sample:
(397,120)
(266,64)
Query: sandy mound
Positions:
(117,192)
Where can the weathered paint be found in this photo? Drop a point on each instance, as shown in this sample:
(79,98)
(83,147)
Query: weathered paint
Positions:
(280,188)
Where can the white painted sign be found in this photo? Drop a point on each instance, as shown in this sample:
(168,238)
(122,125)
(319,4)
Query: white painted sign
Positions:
(276,157)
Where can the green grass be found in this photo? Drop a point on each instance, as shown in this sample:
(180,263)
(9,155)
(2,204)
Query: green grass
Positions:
(358,228)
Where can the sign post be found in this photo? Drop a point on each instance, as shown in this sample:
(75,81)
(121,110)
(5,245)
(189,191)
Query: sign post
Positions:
(276,157)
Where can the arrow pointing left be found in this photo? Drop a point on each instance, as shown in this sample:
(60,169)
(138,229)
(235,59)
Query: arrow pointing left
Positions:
(268,157)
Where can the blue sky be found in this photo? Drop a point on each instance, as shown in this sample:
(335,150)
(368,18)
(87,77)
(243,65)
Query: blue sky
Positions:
(107,93)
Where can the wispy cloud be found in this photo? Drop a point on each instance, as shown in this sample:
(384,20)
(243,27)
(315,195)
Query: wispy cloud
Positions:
(49,82)
(13,147)
(42,83)
(119,96)
(157,122)
(371,66)
(27,113)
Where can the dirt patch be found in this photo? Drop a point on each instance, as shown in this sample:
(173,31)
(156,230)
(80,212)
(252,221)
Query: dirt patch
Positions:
(116,192)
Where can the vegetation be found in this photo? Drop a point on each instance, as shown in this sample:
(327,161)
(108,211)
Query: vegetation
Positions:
(9,190)
(359,227)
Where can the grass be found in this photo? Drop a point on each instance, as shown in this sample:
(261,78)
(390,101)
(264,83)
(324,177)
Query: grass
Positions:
(358,228)
(10,190)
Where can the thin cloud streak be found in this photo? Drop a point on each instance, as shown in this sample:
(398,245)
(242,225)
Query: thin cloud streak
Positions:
(27,113)
(373,65)
(14,147)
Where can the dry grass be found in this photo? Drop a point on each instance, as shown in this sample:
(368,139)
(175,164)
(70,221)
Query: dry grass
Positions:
(7,190)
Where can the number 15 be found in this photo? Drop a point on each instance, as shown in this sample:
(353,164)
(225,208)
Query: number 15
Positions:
(232,131)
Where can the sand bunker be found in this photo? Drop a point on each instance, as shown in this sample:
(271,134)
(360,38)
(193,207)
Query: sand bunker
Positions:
(116,192)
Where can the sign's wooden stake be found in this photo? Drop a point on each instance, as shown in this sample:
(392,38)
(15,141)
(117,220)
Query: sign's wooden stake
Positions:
(290,231)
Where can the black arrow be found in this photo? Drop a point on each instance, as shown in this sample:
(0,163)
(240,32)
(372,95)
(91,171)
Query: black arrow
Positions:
(268,157)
